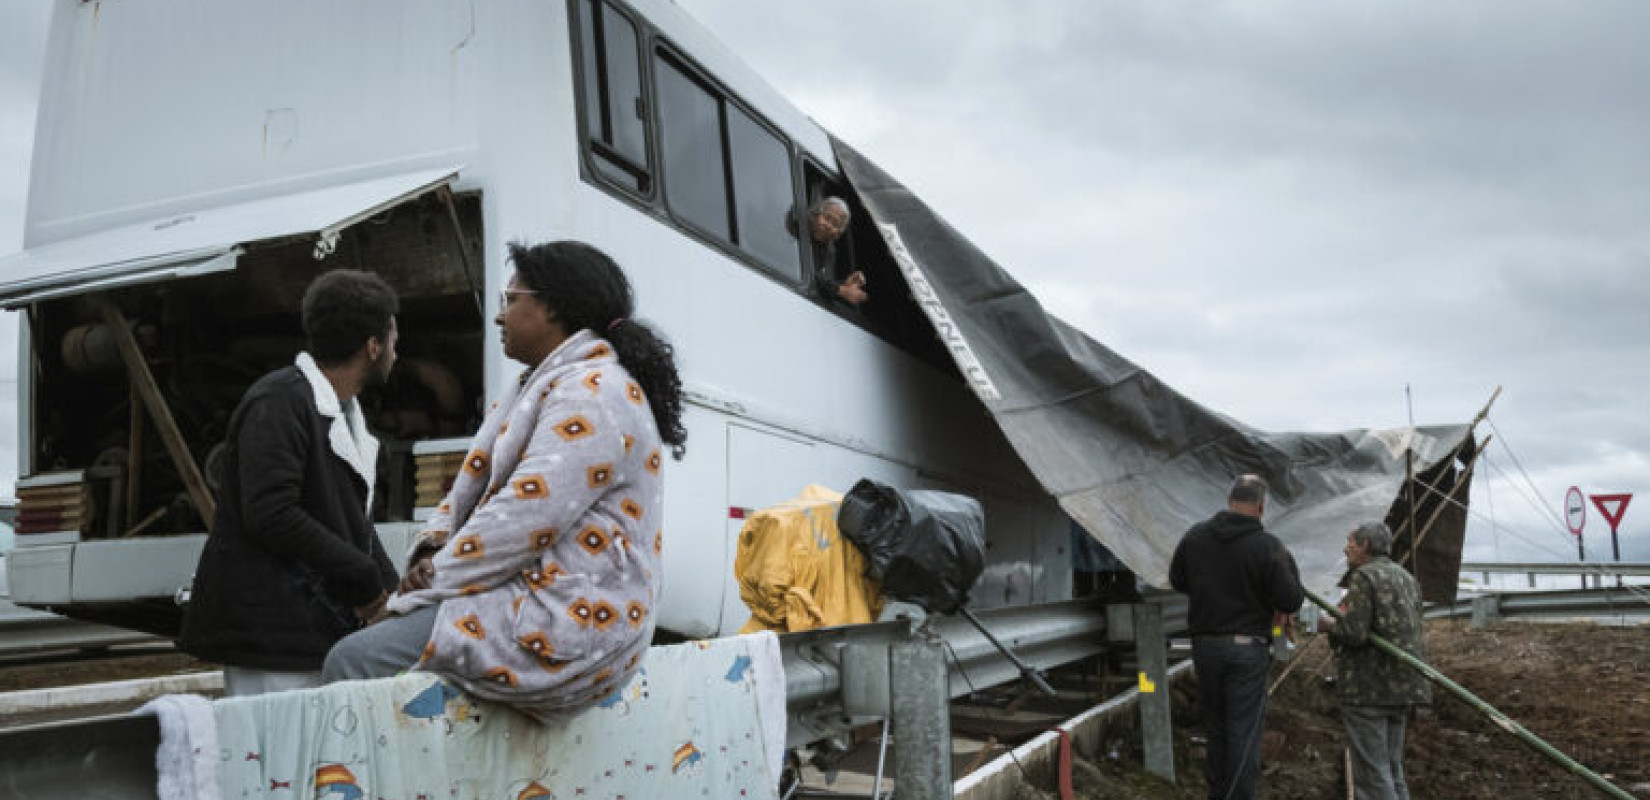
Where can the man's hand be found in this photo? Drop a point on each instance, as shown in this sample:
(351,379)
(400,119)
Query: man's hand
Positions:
(853,288)
(418,576)
(1284,623)
(373,611)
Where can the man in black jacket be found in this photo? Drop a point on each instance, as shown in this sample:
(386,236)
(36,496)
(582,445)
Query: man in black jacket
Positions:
(1238,577)
(293,563)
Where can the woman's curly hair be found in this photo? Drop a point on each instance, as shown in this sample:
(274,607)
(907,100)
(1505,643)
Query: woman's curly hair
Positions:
(587,290)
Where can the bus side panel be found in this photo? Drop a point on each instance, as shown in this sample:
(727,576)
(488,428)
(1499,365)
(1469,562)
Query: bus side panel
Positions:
(698,561)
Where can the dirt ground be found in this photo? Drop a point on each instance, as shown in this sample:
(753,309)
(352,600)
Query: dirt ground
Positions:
(1584,689)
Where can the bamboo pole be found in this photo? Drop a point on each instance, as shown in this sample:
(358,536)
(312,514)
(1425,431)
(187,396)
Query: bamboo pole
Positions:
(1501,720)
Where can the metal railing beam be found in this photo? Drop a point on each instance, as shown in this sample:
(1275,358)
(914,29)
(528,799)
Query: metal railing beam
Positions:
(1558,567)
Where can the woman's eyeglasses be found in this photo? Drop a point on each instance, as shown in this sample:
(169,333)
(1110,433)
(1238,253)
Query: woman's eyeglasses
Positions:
(504,295)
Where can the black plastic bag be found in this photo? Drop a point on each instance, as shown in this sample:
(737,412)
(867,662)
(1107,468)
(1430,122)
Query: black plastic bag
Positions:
(924,547)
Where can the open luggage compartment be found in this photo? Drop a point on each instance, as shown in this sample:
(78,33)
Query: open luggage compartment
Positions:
(101,467)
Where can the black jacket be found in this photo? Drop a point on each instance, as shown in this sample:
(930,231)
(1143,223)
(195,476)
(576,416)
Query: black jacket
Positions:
(291,553)
(1236,574)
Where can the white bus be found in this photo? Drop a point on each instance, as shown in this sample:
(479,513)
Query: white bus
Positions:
(197,162)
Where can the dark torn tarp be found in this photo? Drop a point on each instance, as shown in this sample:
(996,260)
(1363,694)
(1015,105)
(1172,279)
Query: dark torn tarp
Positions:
(1135,462)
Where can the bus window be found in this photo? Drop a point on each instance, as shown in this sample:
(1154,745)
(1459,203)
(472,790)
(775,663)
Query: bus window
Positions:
(615,117)
(690,127)
(726,175)
(763,194)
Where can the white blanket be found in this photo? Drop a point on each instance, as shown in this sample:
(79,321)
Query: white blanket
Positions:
(703,720)
(187,759)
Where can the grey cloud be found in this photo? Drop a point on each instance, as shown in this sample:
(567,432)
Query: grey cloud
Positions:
(1288,211)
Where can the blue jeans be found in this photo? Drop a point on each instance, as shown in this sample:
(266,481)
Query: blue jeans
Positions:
(1231,680)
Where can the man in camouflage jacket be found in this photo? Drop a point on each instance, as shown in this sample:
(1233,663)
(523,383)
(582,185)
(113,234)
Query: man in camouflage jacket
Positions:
(1375,689)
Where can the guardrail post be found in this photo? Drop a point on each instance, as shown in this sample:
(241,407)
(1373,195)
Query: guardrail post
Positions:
(921,717)
(1486,609)
(1151,653)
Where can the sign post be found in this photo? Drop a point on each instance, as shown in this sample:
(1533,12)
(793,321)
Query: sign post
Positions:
(1575,518)
(1613,507)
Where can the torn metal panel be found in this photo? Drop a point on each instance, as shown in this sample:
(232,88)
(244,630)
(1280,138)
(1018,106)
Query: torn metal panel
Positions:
(200,242)
(1134,461)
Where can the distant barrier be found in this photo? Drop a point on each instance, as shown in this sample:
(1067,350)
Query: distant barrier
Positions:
(1628,606)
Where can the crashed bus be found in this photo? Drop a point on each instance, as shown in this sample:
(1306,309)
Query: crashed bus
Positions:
(198,162)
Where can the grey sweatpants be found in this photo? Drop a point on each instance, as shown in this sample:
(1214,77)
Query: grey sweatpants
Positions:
(1376,736)
(383,650)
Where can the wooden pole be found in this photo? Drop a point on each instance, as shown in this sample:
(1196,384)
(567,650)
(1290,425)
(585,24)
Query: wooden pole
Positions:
(1409,524)
(1404,526)
(1466,476)
(134,457)
(1409,505)
(445,193)
(153,518)
(143,382)
(1409,477)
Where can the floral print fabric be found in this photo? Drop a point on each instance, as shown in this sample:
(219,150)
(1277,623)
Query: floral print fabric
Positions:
(548,567)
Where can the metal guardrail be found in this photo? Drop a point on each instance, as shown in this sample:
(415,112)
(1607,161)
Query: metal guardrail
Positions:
(105,757)
(1606,603)
(24,631)
(1558,567)
(1043,636)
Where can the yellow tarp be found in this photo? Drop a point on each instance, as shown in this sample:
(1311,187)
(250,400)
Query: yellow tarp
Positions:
(797,573)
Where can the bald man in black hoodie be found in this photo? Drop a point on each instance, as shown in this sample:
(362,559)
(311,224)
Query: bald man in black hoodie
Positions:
(1237,576)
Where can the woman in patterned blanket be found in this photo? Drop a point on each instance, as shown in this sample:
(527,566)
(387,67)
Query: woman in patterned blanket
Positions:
(535,582)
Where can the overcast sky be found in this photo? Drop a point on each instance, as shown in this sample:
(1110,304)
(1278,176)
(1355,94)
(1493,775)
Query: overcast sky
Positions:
(1289,211)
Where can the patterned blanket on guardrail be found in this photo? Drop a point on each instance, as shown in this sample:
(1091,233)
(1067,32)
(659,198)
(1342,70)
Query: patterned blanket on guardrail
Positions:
(703,719)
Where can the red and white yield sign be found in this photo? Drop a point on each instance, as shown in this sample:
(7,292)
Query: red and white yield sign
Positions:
(1613,507)
(1575,510)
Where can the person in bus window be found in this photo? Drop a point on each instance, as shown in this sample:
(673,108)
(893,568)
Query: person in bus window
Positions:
(827,222)
(535,582)
(292,563)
